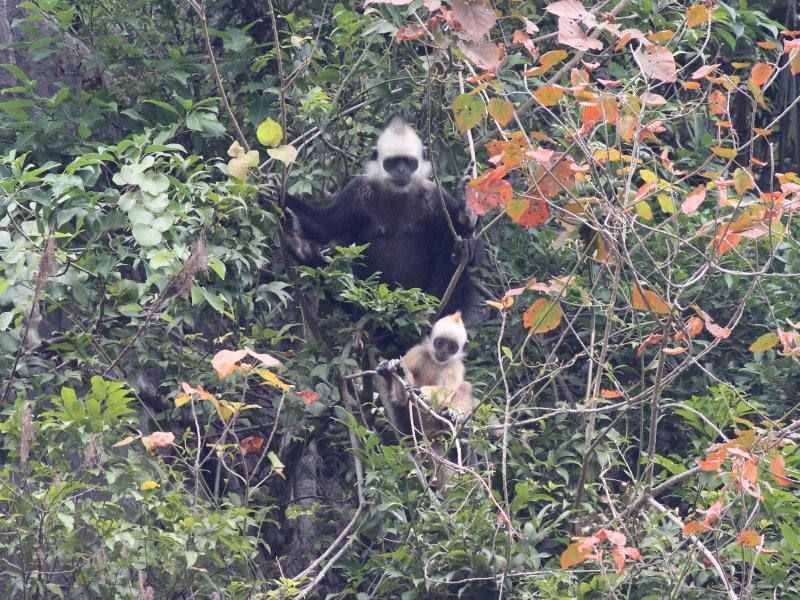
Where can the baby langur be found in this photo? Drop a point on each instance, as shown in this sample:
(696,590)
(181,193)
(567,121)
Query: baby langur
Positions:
(435,368)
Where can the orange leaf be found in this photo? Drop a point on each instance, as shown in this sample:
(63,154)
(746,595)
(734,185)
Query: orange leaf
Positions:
(251,444)
(714,460)
(697,15)
(652,340)
(693,527)
(610,393)
(777,468)
(761,131)
(717,102)
(548,95)
(760,73)
(749,538)
(675,351)
(574,555)
(767,45)
(543,315)
(693,326)
(691,85)
(649,301)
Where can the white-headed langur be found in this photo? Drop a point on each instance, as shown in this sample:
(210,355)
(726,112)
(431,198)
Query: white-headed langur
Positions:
(434,372)
(396,209)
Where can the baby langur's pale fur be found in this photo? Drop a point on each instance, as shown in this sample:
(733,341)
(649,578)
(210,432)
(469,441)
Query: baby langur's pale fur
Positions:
(435,367)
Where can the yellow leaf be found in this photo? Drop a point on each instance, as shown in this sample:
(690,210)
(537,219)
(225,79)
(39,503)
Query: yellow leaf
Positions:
(149,485)
(286,154)
(742,181)
(643,210)
(607,155)
(272,379)
(125,442)
(764,343)
(723,152)
(269,133)
(543,315)
(182,399)
(553,57)
(648,301)
(666,204)
(648,176)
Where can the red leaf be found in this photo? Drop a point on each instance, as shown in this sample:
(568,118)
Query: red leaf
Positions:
(251,444)
(713,512)
(703,71)
(411,32)
(476,18)
(657,62)
(482,201)
(571,9)
(308,396)
(485,55)
(571,34)
(715,330)
(528,212)
(694,199)
(619,559)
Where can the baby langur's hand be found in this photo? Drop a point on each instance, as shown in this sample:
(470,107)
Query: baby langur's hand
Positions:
(452,415)
(386,368)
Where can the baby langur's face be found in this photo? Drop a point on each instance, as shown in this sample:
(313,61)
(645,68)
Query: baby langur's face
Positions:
(445,348)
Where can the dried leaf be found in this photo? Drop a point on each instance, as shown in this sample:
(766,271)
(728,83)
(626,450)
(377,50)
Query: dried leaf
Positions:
(475,16)
(749,538)
(657,62)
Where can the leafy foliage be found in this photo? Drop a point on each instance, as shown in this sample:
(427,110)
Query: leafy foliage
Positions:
(186,413)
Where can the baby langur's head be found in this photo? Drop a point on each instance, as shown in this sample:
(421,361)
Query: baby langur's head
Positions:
(448,338)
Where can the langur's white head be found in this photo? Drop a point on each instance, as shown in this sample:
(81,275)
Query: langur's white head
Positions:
(448,338)
(398,157)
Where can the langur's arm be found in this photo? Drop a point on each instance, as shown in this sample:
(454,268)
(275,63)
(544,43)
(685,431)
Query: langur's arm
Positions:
(341,219)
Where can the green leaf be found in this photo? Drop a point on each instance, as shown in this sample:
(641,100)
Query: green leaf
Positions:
(145,235)
(269,133)
(468,111)
(764,343)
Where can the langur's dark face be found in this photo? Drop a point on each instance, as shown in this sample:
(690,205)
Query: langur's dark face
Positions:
(401,169)
(444,349)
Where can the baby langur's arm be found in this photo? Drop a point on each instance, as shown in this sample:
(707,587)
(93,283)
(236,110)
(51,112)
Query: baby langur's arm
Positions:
(394,370)
(455,406)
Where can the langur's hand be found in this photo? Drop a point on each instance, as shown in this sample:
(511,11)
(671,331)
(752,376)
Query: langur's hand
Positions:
(463,247)
(387,368)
